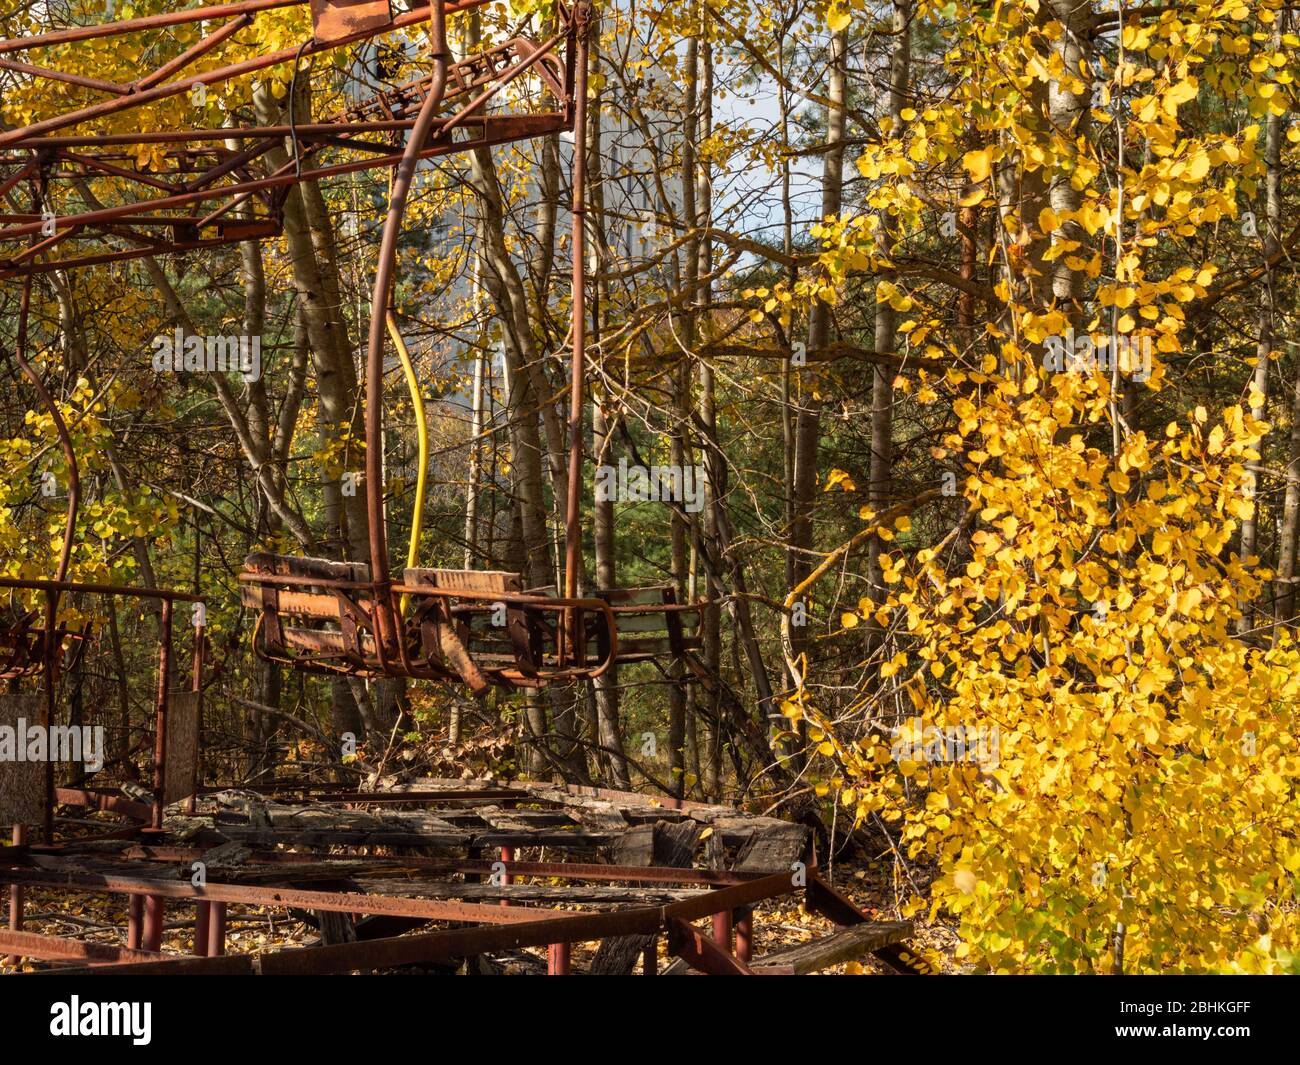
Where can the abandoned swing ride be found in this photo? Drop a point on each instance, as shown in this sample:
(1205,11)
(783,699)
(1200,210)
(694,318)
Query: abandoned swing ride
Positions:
(326,852)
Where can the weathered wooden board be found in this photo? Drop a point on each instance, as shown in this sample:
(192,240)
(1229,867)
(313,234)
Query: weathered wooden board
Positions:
(848,944)
(773,848)
(182,746)
(673,846)
(22,783)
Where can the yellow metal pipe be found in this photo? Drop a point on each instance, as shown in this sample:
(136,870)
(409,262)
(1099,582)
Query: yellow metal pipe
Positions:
(422,437)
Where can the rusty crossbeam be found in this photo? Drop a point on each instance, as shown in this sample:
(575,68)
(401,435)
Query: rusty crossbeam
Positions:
(572,871)
(104,802)
(258,895)
(60,948)
(424,948)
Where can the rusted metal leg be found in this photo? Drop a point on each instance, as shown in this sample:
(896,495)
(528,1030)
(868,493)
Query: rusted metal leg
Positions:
(134,921)
(16,894)
(153,922)
(202,922)
(650,958)
(558,960)
(722,929)
(217,930)
(160,727)
(744,935)
(507,855)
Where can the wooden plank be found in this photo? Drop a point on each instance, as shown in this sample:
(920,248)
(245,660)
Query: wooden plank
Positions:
(848,944)
(491,582)
(671,845)
(182,746)
(302,566)
(653,594)
(640,623)
(593,894)
(774,848)
(22,784)
(295,604)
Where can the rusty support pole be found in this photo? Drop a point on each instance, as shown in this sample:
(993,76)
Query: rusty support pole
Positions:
(51,678)
(217,930)
(577,368)
(202,923)
(160,728)
(154,905)
(196,679)
(153,922)
(650,958)
(385,619)
(744,919)
(722,929)
(134,912)
(558,960)
(507,855)
(16,894)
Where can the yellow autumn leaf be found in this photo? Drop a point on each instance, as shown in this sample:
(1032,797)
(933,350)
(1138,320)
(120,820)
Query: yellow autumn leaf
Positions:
(978,163)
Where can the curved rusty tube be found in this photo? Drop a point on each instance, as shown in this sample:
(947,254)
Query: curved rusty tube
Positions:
(60,426)
(402,180)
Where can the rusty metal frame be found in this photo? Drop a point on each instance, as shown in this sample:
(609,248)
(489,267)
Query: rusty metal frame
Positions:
(399,660)
(494,928)
(491,928)
(202,170)
(399,894)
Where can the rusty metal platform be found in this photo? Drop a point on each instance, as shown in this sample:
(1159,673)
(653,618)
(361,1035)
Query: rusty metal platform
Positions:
(635,872)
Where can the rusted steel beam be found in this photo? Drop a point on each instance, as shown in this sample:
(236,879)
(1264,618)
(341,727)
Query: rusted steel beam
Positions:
(96,163)
(18,176)
(702,952)
(201,46)
(465,942)
(98,589)
(154,911)
(745,934)
(58,948)
(558,870)
(160,721)
(258,895)
(135,921)
(497,129)
(202,926)
(135,253)
(207,77)
(722,929)
(104,802)
(16,893)
(217,931)
(146,22)
(559,959)
(71,79)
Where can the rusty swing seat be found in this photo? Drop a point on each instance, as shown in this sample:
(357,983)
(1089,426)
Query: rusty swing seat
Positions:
(461,626)
(651,624)
(25,640)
